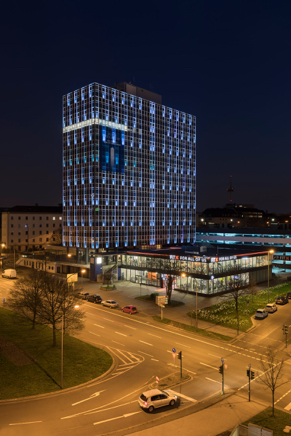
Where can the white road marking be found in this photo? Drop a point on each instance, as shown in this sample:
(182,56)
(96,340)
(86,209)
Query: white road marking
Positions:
(120,334)
(94,334)
(183,345)
(212,380)
(146,343)
(90,398)
(288,407)
(283,397)
(22,423)
(148,323)
(155,360)
(118,343)
(117,417)
(181,395)
(169,351)
(205,364)
(99,326)
(132,328)
(218,357)
(155,336)
(190,371)
(110,408)
(145,353)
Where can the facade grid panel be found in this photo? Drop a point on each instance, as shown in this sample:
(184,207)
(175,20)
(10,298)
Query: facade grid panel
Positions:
(129,171)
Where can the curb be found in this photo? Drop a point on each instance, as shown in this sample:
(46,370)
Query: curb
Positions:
(64,391)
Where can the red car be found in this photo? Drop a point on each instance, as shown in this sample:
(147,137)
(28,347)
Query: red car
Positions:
(129,309)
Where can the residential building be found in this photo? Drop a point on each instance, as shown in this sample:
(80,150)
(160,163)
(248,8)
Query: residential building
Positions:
(27,228)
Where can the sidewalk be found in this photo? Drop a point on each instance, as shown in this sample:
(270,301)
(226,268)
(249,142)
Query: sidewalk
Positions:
(126,293)
(222,416)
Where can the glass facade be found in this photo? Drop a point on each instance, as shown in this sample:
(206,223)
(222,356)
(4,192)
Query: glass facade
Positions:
(129,171)
(212,275)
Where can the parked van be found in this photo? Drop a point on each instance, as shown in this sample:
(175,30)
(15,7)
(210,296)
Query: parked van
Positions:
(9,274)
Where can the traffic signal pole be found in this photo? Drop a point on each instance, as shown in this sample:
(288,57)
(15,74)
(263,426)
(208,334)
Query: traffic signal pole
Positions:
(180,357)
(251,376)
(221,371)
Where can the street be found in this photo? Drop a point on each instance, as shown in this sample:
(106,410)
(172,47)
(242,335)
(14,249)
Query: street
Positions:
(142,351)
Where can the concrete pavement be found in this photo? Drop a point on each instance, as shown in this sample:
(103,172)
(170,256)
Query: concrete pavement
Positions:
(211,421)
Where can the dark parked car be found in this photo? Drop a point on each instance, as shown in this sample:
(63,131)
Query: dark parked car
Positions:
(288,295)
(281,300)
(94,298)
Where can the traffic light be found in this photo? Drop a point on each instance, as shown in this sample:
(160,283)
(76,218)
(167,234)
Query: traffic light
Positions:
(252,375)
(285,329)
(221,369)
(248,372)
(180,355)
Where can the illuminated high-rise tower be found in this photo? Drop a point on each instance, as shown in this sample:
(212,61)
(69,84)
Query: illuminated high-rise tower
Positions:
(129,169)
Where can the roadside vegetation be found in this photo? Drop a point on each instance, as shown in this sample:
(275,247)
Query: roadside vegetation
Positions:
(30,365)
(277,423)
(152,297)
(225,314)
(193,329)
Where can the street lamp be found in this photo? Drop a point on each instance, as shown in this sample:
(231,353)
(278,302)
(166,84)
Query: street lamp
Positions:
(82,272)
(271,251)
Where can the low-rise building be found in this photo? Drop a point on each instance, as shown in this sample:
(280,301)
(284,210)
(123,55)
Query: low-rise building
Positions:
(26,228)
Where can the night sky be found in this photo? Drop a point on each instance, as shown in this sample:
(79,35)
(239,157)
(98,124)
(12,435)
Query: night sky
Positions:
(227,62)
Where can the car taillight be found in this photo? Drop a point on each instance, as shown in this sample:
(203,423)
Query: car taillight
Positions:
(145,403)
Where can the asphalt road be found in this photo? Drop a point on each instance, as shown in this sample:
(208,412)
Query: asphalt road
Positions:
(142,350)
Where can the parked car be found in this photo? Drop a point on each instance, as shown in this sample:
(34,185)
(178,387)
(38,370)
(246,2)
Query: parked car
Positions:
(83,295)
(94,298)
(281,300)
(155,398)
(261,314)
(109,303)
(129,309)
(288,295)
(271,308)
(9,274)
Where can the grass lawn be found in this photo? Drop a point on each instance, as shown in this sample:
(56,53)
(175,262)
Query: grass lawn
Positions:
(277,423)
(30,365)
(190,328)
(224,312)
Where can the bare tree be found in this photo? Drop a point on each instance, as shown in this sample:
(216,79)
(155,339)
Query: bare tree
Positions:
(272,374)
(59,306)
(236,292)
(43,298)
(25,298)
(172,269)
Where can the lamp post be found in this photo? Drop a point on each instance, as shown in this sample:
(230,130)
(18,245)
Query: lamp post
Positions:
(196,305)
(82,272)
(62,347)
(271,251)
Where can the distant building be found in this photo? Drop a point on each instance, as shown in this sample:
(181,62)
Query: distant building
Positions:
(235,215)
(31,227)
(277,239)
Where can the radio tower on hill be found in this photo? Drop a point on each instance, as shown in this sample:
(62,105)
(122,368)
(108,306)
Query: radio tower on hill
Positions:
(230,190)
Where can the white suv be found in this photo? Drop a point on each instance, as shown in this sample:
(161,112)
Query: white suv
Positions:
(155,398)
(271,307)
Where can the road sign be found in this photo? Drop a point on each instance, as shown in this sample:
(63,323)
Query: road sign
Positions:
(174,350)
(222,360)
(250,366)
(72,278)
(157,379)
(225,366)
(174,355)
